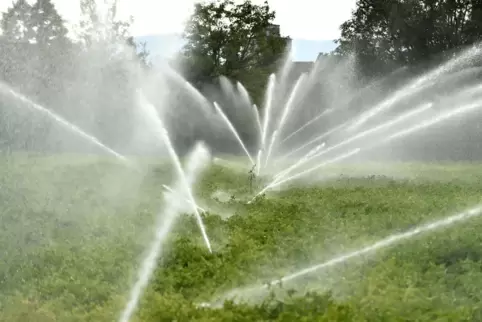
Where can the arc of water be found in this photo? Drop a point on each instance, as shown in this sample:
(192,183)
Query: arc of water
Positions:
(166,220)
(204,103)
(346,102)
(149,263)
(301,128)
(164,136)
(442,117)
(233,131)
(278,181)
(460,95)
(258,162)
(7,89)
(267,114)
(284,116)
(244,93)
(283,81)
(388,241)
(290,104)
(187,188)
(302,160)
(416,85)
(270,147)
(420,109)
(247,102)
(260,133)
(287,65)
(258,120)
(316,139)
(381,244)
(227,87)
(422,125)
(331,110)
(386,125)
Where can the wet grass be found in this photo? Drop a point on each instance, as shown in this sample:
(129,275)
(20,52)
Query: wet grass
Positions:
(72,233)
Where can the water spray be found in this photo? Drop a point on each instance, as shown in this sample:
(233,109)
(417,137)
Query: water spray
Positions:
(233,131)
(422,125)
(384,243)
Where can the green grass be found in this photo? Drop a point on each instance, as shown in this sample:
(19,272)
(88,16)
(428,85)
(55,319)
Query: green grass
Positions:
(73,233)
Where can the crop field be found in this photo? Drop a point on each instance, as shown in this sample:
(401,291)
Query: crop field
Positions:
(73,232)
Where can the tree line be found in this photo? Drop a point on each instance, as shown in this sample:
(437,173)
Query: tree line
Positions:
(43,57)
(233,39)
(389,40)
(388,34)
(76,71)
(237,40)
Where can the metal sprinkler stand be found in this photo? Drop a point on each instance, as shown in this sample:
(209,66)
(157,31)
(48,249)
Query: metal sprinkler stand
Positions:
(252,177)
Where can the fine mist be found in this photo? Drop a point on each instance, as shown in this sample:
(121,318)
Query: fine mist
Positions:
(94,141)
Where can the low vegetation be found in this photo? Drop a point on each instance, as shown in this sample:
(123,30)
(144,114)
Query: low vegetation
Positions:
(73,233)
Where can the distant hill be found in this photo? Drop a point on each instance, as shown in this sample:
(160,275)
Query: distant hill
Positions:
(166,45)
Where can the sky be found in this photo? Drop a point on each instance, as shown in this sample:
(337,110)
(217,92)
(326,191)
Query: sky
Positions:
(305,19)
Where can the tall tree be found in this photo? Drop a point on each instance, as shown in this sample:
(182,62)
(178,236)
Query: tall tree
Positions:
(109,74)
(48,24)
(385,33)
(15,38)
(16,22)
(374,33)
(96,28)
(235,40)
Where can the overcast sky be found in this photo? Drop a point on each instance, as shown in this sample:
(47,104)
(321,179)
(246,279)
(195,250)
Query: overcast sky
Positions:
(305,19)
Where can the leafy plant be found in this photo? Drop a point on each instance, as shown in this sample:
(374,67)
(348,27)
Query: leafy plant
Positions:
(69,251)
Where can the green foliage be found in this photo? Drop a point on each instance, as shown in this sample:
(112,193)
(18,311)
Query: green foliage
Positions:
(39,23)
(384,34)
(40,29)
(109,27)
(70,247)
(47,24)
(238,41)
(14,26)
(87,72)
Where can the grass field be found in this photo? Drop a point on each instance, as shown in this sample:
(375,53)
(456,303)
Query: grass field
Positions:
(73,232)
